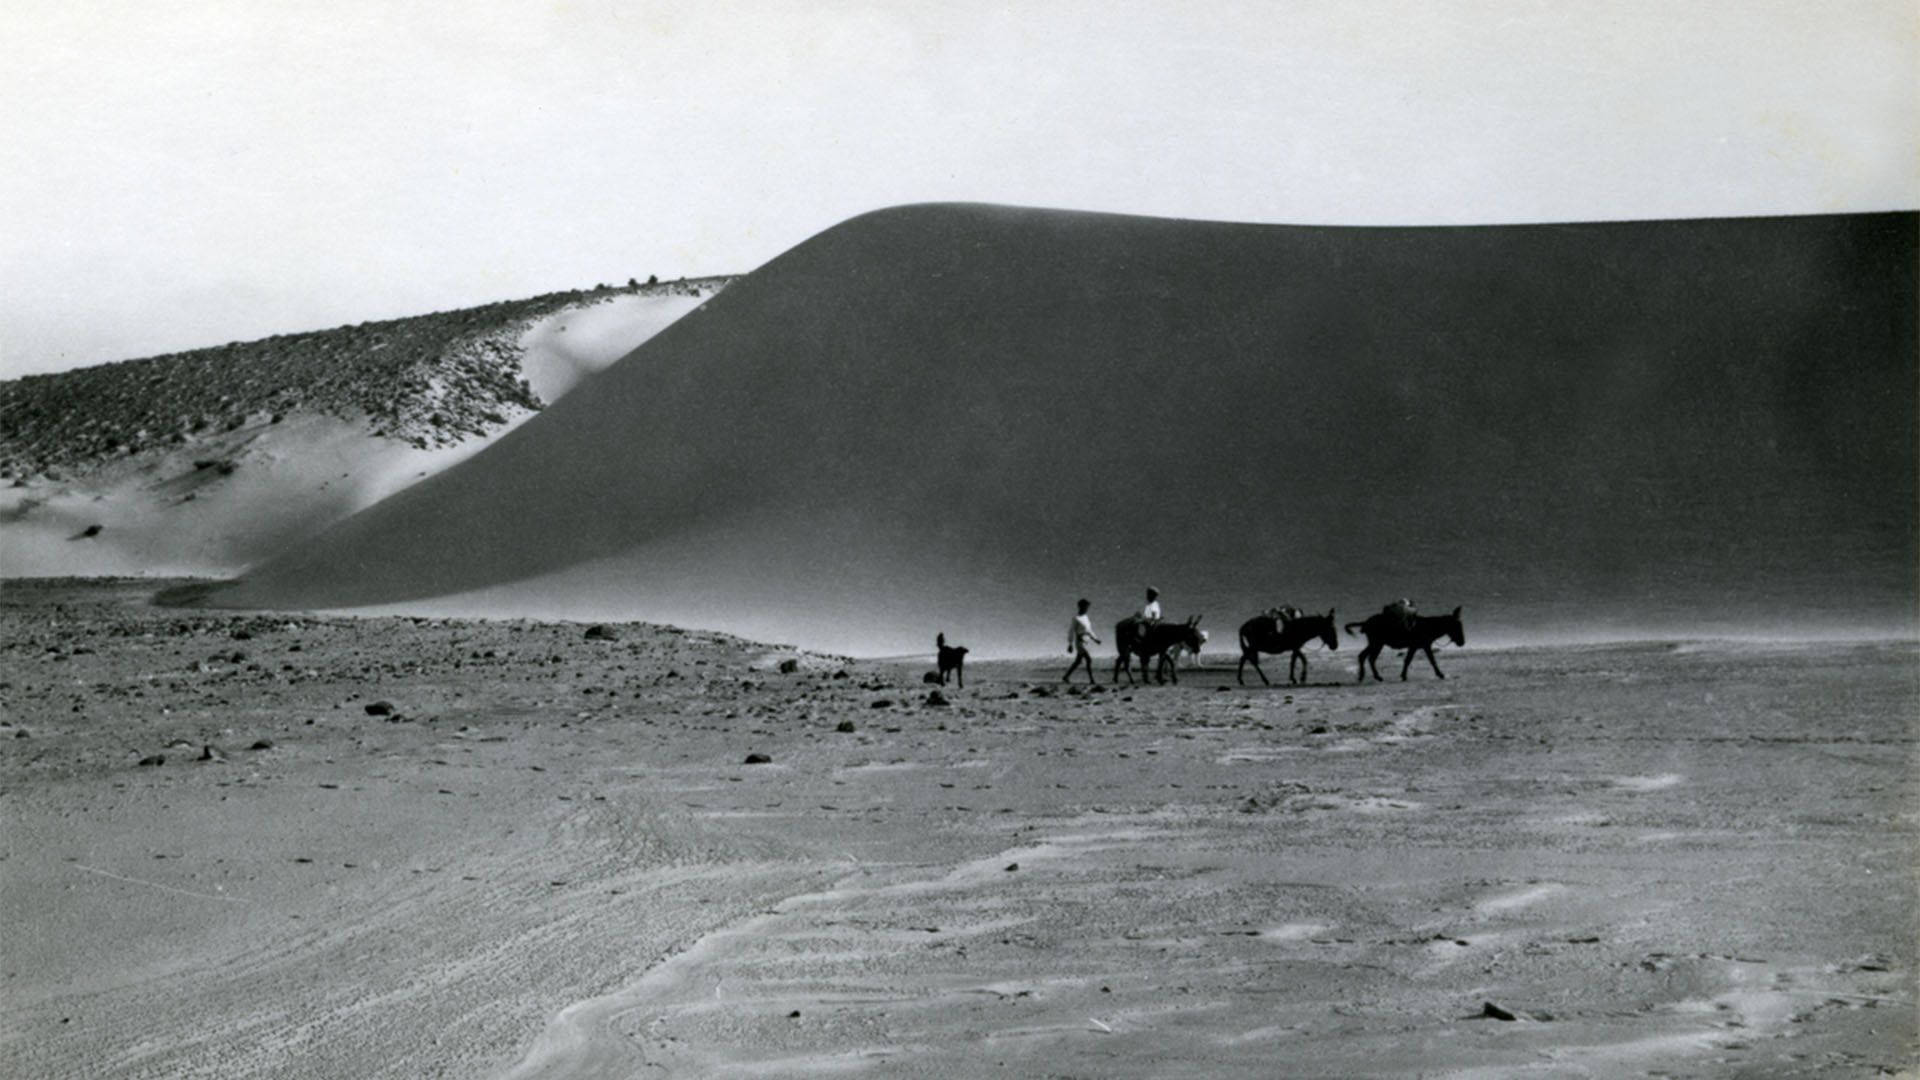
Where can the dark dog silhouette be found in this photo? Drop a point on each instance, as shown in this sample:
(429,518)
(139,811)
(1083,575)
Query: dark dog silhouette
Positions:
(953,658)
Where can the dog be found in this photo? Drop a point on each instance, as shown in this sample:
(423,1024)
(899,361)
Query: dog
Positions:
(953,658)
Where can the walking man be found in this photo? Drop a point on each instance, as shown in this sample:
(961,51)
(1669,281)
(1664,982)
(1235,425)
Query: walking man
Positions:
(1079,632)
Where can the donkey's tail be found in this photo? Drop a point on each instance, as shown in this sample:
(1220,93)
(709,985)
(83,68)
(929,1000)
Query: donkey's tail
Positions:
(1351,625)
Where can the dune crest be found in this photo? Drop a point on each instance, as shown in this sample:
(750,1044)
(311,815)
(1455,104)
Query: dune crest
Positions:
(960,418)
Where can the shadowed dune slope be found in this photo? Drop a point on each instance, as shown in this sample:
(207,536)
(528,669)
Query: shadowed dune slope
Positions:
(963,417)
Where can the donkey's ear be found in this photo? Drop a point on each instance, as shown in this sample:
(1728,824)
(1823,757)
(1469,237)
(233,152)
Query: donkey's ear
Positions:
(1456,613)
(1329,614)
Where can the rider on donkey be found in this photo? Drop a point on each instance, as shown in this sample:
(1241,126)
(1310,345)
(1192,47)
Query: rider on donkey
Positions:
(1147,616)
(1150,611)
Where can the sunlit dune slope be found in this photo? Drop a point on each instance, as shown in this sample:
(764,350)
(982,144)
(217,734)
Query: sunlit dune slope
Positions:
(962,418)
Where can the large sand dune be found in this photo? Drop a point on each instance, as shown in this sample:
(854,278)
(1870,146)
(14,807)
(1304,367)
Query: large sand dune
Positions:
(961,418)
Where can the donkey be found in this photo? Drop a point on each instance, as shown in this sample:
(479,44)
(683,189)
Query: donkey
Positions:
(1267,633)
(1389,631)
(1148,640)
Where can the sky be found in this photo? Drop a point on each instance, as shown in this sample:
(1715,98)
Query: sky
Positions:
(185,173)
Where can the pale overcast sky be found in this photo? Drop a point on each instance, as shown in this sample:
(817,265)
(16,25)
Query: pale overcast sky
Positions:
(182,173)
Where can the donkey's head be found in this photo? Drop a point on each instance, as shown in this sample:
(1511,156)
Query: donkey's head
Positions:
(1329,634)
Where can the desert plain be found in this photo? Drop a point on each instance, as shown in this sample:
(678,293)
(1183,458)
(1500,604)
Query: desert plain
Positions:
(281,844)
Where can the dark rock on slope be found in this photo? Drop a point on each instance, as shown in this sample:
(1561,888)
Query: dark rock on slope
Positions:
(430,380)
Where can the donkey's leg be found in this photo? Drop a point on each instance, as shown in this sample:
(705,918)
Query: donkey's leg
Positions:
(1435,663)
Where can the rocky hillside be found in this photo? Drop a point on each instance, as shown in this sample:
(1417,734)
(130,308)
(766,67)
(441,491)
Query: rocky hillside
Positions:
(431,381)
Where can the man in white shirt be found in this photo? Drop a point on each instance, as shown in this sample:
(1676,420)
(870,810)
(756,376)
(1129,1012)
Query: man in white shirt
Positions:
(1079,632)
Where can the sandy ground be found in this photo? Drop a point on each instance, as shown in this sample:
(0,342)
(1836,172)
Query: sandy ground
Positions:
(551,857)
